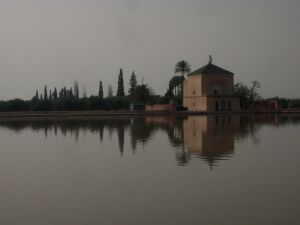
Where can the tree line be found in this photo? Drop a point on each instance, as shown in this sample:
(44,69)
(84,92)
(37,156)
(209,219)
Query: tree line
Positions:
(70,99)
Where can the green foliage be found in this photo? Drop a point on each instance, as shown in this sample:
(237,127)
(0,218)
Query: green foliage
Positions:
(120,90)
(175,86)
(248,95)
(183,67)
(69,100)
(50,95)
(175,89)
(163,99)
(70,104)
(243,92)
(45,93)
(37,95)
(100,92)
(42,105)
(117,103)
(15,105)
(76,89)
(55,94)
(254,96)
(84,94)
(110,92)
(143,94)
(96,103)
(132,84)
(71,92)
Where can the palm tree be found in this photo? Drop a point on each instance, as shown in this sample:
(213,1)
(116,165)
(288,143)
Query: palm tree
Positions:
(172,84)
(179,80)
(183,67)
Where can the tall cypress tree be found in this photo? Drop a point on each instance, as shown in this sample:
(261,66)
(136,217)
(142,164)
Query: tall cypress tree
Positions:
(76,89)
(45,93)
(55,94)
(50,95)
(120,91)
(64,92)
(132,84)
(100,94)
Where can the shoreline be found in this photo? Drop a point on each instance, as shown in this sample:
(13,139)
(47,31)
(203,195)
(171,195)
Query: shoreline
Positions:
(131,113)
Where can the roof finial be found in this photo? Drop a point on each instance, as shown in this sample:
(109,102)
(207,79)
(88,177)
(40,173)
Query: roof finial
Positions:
(210,59)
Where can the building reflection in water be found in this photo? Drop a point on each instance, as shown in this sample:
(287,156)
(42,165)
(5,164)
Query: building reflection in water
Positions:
(210,138)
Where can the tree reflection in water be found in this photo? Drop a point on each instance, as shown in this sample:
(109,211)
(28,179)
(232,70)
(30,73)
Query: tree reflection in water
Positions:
(210,138)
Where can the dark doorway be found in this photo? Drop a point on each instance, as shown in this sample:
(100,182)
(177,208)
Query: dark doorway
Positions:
(217,106)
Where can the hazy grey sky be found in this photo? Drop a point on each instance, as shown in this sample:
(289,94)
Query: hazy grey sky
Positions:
(55,42)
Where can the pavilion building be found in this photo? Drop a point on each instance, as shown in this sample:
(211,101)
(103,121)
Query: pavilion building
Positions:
(210,89)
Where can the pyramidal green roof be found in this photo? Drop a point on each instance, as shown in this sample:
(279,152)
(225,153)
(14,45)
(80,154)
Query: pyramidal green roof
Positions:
(210,69)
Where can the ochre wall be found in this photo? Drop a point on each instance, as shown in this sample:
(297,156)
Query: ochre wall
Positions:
(192,98)
(201,85)
(209,81)
(192,86)
(195,103)
(198,93)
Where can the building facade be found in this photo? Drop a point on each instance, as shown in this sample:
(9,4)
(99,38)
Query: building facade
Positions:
(210,89)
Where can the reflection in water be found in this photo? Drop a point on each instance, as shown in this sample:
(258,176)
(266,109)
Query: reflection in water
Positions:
(210,138)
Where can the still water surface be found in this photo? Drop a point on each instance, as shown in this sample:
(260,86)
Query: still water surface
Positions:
(150,170)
